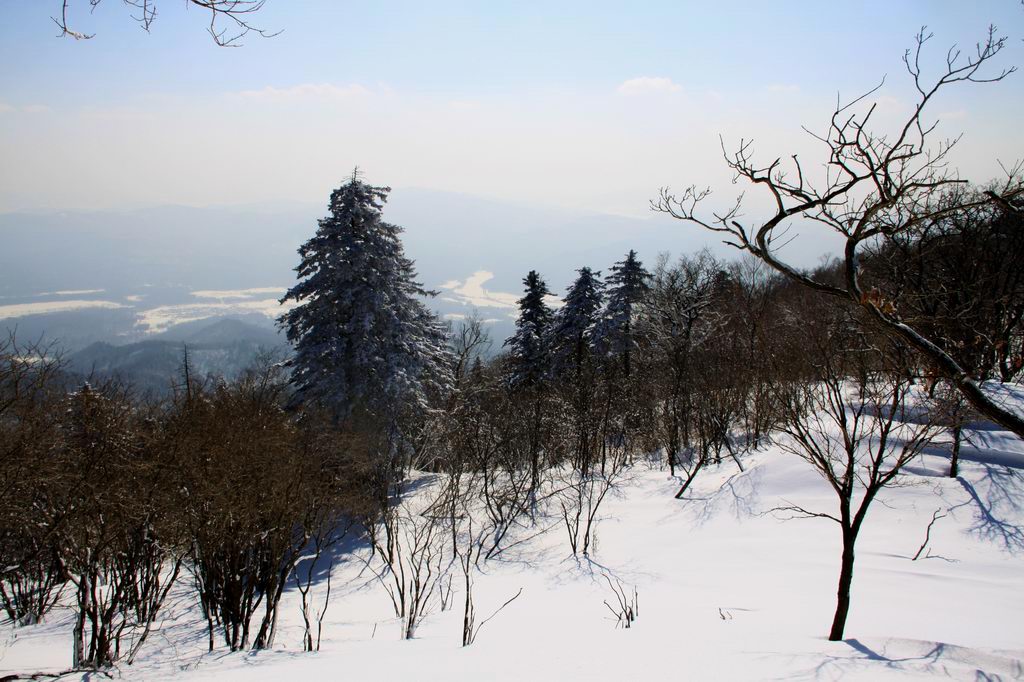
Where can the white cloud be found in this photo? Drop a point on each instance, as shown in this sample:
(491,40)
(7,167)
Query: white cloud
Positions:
(456,317)
(23,309)
(72,292)
(889,104)
(465,104)
(164,317)
(472,292)
(28,108)
(134,298)
(646,85)
(306,91)
(238,293)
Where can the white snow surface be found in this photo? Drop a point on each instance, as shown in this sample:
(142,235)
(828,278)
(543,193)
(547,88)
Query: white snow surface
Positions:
(727,591)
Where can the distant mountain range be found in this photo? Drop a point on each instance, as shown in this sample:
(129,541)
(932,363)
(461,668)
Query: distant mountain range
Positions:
(223,348)
(121,288)
(223,331)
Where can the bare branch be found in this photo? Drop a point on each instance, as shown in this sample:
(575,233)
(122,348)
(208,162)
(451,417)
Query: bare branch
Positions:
(230,20)
(876,187)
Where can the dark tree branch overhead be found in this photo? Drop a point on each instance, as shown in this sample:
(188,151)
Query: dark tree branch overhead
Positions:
(875,187)
(230,20)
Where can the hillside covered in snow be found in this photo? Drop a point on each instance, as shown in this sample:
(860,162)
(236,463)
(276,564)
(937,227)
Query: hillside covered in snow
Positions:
(724,588)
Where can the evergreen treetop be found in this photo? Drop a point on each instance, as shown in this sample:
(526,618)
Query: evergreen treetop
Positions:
(627,286)
(361,333)
(573,332)
(528,350)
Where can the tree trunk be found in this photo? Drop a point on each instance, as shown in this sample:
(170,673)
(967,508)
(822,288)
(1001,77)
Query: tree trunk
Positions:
(692,474)
(535,449)
(843,593)
(210,629)
(467,612)
(78,652)
(954,461)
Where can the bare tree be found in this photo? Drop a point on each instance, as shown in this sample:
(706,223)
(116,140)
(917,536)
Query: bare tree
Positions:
(854,420)
(682,320)
(954,413)
(409,546)
(876,187)
(469,341)
(117,547)
(257,487)
(471,528)
(959,280)
(230,20)
(753,300)
(579,494)
(31,399)
(627,603)
(336,495)
(328,533)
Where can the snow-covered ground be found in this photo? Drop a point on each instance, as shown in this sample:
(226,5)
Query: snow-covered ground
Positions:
(726,591)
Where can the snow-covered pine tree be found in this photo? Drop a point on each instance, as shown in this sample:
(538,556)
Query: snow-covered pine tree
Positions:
(572,363)
(529,362)
(626,286)
(362,335)
(572,335)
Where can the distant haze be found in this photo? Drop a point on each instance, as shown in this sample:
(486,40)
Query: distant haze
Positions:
(151,179)
(583,105)
(124,276)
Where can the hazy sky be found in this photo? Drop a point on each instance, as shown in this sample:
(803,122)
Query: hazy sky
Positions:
(587,105)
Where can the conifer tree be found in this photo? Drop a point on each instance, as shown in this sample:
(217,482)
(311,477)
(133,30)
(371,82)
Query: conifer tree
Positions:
(362,335)
(528,347)
(573,366)
(572,336)
(627,285)
(529,363)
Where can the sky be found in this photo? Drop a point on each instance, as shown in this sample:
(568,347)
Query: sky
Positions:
(590,106)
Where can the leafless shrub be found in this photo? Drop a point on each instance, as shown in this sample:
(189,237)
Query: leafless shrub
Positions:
(31,402)
(117,548)
(462,503)
(324,537)
(409,546)
(489,442)
(260,483)
(627,603)
(579,496)
(936,515)
(470,628)
(28,592)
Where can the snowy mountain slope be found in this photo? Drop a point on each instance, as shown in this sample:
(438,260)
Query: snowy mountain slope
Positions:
(726,591)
